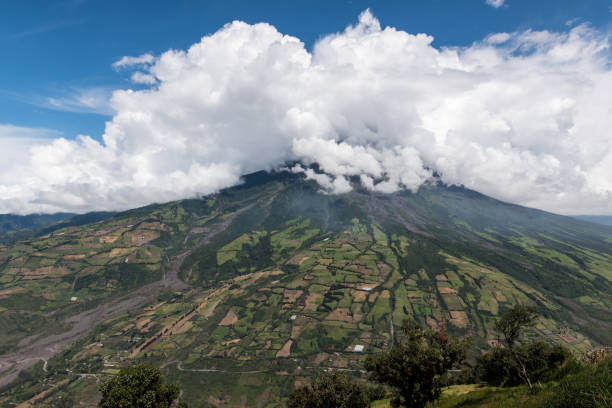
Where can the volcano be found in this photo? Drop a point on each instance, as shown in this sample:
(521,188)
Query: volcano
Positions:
(243,294)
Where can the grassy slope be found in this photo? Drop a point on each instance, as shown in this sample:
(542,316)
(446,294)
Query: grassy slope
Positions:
(295,281)
(482,396)
(590,386)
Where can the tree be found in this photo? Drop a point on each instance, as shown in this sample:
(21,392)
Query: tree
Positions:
(416,366)
(141,386)
(542,362)
(512,322)
(510,325)
(330,390)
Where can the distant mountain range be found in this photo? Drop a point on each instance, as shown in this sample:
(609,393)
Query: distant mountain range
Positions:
(597,219)
(243,294)
(19,227)
(15,227)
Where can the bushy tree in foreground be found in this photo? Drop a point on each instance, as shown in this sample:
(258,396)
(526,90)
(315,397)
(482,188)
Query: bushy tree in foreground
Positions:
(331,390)
(541,361)
(512,322)
(530,362)
(510,325)
(141,386)
(415,368)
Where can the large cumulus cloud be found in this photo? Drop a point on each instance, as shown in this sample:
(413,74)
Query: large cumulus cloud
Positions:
(524,117)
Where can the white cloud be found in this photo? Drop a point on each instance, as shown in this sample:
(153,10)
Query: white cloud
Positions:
(498,38)
(16,142)
(524,117)
(143,61)
(495,3)
(128,61)
(142,78)
(77,99)
(8,131)
(329,184)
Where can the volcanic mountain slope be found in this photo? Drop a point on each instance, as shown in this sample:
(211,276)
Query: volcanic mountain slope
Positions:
(245,293)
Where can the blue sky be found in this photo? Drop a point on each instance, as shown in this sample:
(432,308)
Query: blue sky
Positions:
(61,50)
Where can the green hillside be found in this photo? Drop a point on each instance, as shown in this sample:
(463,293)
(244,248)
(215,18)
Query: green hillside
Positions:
(15,227)
(244,294)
